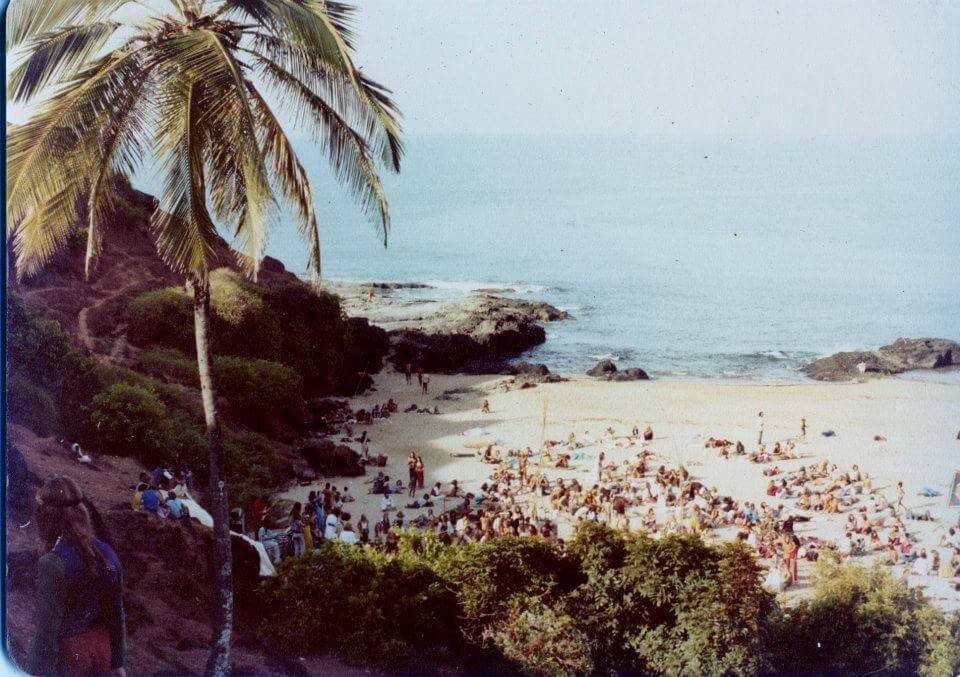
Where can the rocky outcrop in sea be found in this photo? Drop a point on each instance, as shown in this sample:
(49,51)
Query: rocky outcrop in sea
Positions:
(904,354)
(479,333)
(606,370)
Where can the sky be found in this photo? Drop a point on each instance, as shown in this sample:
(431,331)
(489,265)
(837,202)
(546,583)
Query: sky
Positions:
(570,67)
(613,67)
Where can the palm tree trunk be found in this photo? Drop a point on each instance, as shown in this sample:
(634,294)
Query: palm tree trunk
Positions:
(219,658)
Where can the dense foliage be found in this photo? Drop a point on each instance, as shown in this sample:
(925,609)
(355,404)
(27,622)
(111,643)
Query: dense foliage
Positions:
(288,323)
(861,620)
(612,603)
(55,388)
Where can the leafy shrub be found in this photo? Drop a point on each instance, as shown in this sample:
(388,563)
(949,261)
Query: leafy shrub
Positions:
(491,576)
(40,351)
(30,405)
(259,390)
(377,607)
(243,324)
(170,363)
(252,467)
(615,603)
(673,605)
(542,641)
(127,420)
(862,620)
(162,317)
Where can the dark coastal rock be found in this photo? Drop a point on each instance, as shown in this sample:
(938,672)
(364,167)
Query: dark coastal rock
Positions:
(603,368)
(477,334)
(527,374)
(606,370)
(900,356)
(325,457)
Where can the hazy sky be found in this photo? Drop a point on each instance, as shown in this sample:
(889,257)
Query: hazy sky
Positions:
(654,67)
(565,66)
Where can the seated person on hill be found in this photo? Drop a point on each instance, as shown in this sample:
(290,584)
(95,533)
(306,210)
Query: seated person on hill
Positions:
(175,507)
(150,500)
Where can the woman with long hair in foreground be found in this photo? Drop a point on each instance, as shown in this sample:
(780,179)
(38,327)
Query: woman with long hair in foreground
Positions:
(80,623)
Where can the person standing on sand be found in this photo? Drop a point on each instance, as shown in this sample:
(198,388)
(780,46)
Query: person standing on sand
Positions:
(425,382)
(485,407)
(420,472)
(420,375)
(408,372)
(80,623)
(760,428)
(803,427)
(412,472)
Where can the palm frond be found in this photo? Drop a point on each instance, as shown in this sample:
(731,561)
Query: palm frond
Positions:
(45,229)
(57,53)
(304,22)
(233,164)
(344,146)
(185,233)
(122,147)
(27,19)
(359,99)
(292,179)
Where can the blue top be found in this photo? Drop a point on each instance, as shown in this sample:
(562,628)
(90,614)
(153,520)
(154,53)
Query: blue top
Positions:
(150,500)
(175,506)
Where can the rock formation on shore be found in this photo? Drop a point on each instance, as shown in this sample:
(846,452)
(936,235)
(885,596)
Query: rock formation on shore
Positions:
(473,334)
(900,356)
(606,370)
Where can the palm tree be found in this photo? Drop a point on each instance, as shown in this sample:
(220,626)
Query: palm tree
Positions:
(184,86)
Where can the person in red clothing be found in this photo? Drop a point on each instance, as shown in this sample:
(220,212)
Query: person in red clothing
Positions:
(80,622)
(259,512)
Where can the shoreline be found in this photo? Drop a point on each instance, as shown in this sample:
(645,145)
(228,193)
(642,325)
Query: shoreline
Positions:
(448,309)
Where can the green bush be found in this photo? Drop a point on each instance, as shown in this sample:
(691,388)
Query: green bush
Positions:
(862,620)
(542,641)
(614,603)
(162,318)
(259,390)
(243,324)
(40,351)
(30,405)
(253,467)
(127,420)
(372,606)
(317,337)
(491,576)
(171,364)
(673,605)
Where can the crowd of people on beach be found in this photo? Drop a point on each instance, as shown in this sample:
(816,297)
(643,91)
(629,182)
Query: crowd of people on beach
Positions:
(529,493)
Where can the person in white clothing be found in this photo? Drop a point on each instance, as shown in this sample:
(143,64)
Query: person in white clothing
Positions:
(760,428)
(332,527)
(348,535)
(921,565)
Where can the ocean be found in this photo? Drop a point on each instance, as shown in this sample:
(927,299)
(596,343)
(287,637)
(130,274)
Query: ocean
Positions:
(691,257)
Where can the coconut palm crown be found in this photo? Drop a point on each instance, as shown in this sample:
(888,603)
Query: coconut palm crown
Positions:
(190,88)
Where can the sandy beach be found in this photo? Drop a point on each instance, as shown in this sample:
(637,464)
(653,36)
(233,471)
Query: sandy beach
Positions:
(918,419)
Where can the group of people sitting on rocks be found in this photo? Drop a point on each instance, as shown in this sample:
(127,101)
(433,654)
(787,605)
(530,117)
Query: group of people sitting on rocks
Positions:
(163,492)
